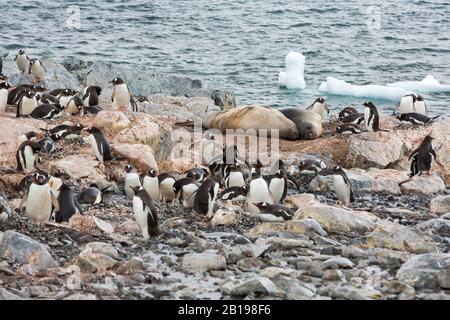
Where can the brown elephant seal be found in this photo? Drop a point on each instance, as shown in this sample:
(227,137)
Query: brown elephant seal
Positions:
(309,123)
(252,117)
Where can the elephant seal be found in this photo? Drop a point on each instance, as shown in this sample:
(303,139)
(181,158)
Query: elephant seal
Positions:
(252,117)
(309,123)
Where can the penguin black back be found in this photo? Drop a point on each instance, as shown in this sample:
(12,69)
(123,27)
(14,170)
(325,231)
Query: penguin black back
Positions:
(66,203)
(422,157)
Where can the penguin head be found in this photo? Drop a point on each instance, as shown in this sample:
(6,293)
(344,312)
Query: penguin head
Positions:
(419,98)
(137,189)
(3,77)
(21,51)
(116,81)
(128,168)
(29,94)
(39,88)
(152,173)
(428,138)
(369,104)
(261,205)
(92,130)
(320,100)
(5,85)
(40,178)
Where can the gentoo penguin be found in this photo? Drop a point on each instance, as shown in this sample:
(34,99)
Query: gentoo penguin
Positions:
(234,194)
(166,182)
(47,145)
(66,204)
(63,91)
(416,118)
(406,104)
(278,182)
(206,196)
(207,147)
(91,195)
(276,210)
(131,180)
(258,190)
(121,96)
(4,87)
(39,199)
(235,176)
(37,69)
(342,186)
(26,155)
(150,183)
(356,118)
(65,131)
(92,109)
(27,104)
(29,136)
(315,165)
(319,106)
(90,97)
(422,157)
(347,111)
(184,189)
(348,128)
(75,106)
(47,111)
(22,61)
(101,147)
(65,96)
(145,213)
(371,117)
(198,174)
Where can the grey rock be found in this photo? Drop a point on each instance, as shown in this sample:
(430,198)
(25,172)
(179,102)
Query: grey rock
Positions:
(421,271)
(440,204)
(81,296)
(6,209)
(198,262)
(337,263)
(21,249)
(6,295)
(438,226)
(256,286)
(444,278)
(294,289)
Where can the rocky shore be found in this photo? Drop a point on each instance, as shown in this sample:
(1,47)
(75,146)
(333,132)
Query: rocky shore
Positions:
(392,243)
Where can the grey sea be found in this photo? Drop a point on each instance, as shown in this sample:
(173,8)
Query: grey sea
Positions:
(241,45)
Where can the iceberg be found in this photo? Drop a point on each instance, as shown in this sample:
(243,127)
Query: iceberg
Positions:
(429,85)
(343,88)
(293,77)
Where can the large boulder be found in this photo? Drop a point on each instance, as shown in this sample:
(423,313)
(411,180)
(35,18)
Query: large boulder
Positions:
(140,155)
(57,75)
(394,236)
(425,271)
(426,184)
(440,205)
(340,221)
(21,249)
(198,262)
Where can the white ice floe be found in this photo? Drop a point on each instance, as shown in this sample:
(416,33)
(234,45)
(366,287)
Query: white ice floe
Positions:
(342,88)
(293,77)
(429,84)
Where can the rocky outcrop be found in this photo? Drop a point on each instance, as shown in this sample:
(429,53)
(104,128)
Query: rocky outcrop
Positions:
(440,205)
(20,249)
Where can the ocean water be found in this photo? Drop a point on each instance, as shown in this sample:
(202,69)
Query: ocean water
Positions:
(241,45)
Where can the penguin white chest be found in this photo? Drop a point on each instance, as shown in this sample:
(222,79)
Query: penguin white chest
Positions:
(419,107)
(235,179)
(131,180)
(3,99)
(64,101)
(22,63)
(188,198)
(96,148)
(151,185)
(259,191)
(166,189)
(406,105)
(121,96)
(37,70)
(27,160)
(28,105)
(277,188)
(368,121)
(341,188)
(39,203)
(141,216)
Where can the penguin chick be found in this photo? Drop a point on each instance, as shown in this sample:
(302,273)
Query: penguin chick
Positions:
(145,213)
(342,186)
(206,197)
(66,204)
(91,195)
(131,180)
(37,69)
(184,189)
(347,111)
(166,182)
(276,210)
(47,145)
(26,156)
(422,157)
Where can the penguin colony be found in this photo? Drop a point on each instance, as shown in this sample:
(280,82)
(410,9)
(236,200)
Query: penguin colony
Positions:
(226,177)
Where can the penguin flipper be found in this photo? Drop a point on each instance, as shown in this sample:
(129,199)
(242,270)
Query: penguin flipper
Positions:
(112,96)
(15,58)
(55,202)
(433,153)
